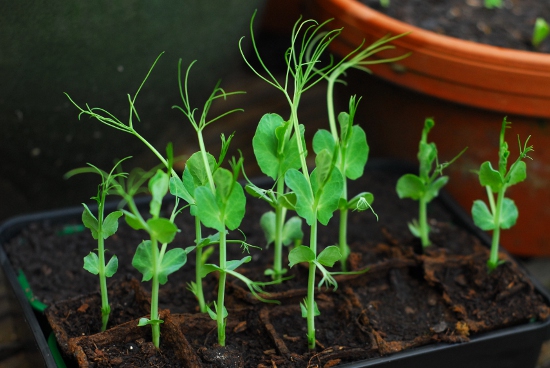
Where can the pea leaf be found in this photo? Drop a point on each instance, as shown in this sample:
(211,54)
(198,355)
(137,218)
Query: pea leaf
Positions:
(208,268)
(172,261)
(329,256)
(300,254)
(158,186)
(208,210)
(178,189)
(110,224)
(483,218)
(410,186)
(509,214)
(267,223)
(323,168)
(197,169)
(357,153)
(292,230)
(142,260)
(91,263)
(90,221)
(132,220)
(518,173)
(111,267)
(361,201)
(323,140)
(234,264)
(296,181)
(162,229)
(235,207)
(329,195)
(490,177)
(435,186)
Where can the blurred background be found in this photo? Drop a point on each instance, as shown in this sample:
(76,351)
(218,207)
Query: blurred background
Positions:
(98,53)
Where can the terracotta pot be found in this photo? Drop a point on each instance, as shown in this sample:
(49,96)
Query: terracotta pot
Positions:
(468,88)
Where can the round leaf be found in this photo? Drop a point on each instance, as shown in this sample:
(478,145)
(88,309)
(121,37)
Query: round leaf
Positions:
(300,254)
(482,216)
(410,186)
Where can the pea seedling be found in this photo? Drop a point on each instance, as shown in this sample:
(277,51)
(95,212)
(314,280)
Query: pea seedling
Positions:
(219,199)
(502,212)
(101,227)
(490,4)
(540,32)
(425,186)
(317,194)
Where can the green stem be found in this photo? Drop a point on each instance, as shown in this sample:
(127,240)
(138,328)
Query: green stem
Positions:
(105,308)
(221,290)
(492,263)
(343,238)
(423,222)
(311,290)
(301,149)
(280,213)
(155,327)
(199,294)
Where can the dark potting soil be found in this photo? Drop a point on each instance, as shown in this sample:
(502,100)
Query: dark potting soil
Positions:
(510,26)
(405,299)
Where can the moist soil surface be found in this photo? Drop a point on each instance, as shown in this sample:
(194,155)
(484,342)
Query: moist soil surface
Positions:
(510,26)
(406,298)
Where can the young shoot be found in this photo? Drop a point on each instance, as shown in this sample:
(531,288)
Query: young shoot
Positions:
(101,227)
(313,195)
(219,200)
(490,4)
(426,185)
(276,150)
(153,263)
(540,32)
(502,212)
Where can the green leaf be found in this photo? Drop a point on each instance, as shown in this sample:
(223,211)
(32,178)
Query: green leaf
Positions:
(208,268)
(344,122)
(414,228)
(267,223)
(162,229)
(143,260)
(323,168)
(223,179)
(179,190)
(233,265)
(482,216)
(265,144)
(132,220)
(517,174)
(490,177)
(357,153)
(427,154)
(91,263)
(257,192)
(235,207)
(329,256)
(361,201)
(410,186)
(158,186)
(213,313)
(509,214)
(208,210)
(434,187)
(172,261)
(288,201)
(110,224)
(90,221)
(197,169)
(111,267)
(303,308)
(323,140)
(146,321)
(292,230)
(300,254)
(296,181)
(328,197)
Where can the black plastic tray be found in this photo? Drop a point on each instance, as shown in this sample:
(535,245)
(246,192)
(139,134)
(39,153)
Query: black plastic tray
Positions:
(513,347)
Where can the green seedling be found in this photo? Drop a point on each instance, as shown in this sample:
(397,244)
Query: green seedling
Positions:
(276,150)
(385,3)
(490,4)
(425,186)
(219,199)
(502,212)
(540,32)
(313,195)
(101,227)
(350,141)
(153,263)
